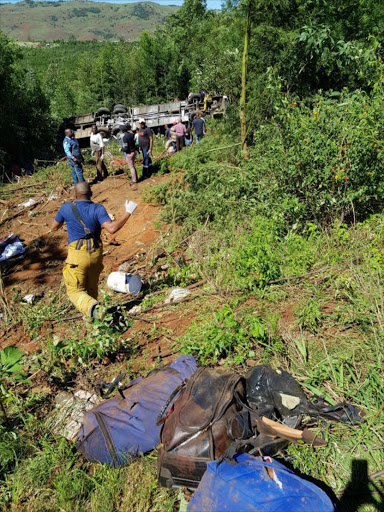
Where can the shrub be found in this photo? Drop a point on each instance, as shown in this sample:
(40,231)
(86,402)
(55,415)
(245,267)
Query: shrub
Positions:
(225,336)
(323,159)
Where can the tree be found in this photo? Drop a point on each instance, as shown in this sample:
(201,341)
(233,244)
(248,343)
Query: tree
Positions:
(25,122)
(244,79)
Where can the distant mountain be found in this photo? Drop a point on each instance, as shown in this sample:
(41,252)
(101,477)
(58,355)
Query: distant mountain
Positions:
(83,20)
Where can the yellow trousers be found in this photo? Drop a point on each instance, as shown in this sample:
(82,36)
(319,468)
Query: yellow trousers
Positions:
(81,275)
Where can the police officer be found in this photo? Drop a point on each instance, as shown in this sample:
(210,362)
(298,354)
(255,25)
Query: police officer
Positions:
(75,158)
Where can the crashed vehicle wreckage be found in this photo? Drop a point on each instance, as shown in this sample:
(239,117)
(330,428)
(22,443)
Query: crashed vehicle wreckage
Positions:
(156,116)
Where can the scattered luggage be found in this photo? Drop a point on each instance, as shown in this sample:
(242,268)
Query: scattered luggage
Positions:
(216,419)
(10,247)
(203,422)
(220,413)
(256,484)
(278,395)
(125,426)
(209,419)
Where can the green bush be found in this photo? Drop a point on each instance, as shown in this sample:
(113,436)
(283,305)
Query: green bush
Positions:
(225,337)
(323,159)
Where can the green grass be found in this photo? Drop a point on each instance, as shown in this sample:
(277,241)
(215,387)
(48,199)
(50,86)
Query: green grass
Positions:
(55,477)
(326,327)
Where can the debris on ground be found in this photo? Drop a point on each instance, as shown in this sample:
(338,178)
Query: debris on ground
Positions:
(279,391)
(256,483)
(177,295)
(219,413)
(124,426)
(124,282)
(135,310)
(70,408)
(11,246)
(27,204)
(31,298)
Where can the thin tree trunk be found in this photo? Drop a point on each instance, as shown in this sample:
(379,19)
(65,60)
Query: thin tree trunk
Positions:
(4,306)
(244,78)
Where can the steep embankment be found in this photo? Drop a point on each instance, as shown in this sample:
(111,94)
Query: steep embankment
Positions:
(85,21)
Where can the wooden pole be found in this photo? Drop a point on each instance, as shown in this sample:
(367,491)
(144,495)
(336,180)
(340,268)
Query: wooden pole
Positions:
(244,78)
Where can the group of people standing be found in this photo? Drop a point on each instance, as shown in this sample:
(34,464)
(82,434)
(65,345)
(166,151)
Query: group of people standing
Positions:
(133,142)
(179,135)
(85,219)
(75,158)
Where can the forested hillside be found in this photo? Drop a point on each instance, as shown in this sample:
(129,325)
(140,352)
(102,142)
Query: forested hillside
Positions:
(273,223)
(81,20)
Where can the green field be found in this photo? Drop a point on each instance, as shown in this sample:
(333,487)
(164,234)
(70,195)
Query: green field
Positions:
(84,21)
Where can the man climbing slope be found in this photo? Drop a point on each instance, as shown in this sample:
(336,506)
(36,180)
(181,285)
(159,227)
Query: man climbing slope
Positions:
(75,158)
(198,126)
(84,264)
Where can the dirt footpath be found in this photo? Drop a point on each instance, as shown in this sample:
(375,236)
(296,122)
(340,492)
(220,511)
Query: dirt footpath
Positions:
(41,268)
(42,265)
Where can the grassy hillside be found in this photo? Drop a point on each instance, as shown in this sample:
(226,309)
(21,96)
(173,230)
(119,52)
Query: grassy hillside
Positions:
(85,21)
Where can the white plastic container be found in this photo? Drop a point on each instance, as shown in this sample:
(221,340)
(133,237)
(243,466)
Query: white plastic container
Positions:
(124,283)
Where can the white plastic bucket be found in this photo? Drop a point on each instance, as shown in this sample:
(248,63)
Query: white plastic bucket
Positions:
(124,283)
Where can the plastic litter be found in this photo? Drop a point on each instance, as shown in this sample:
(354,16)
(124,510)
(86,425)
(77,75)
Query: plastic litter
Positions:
(124,282)
(11,246)
(28,299)
(31,298)
(135,310)
(177,295)
(27,204)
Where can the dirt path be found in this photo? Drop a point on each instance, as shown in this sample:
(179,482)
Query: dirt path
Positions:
(41,269)
(46,253)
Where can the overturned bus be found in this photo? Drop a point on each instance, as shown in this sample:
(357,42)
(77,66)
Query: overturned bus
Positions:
(156,116)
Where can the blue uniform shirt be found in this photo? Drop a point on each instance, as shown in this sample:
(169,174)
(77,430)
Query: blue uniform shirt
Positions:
(71,148)
(93,216)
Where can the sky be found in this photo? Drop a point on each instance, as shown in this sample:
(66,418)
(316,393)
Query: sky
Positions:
(211,4)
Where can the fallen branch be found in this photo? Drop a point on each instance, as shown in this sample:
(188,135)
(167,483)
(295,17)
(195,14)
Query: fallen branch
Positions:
(301,276)
(378,474)
(39,184)
(223,147)
(164,354)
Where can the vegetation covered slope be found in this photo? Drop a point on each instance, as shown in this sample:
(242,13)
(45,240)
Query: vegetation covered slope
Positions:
(287,245)
(81,20)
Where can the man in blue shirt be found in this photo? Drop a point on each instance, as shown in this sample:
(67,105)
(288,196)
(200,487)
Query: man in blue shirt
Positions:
(198,126)
(75,158)
(84,264)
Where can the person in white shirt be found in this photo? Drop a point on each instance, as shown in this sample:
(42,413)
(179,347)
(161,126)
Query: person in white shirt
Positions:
(97,147)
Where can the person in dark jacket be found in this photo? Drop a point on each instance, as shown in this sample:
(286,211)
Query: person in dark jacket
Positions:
(129,148)
(146,144)
(198,126)
(75,158)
